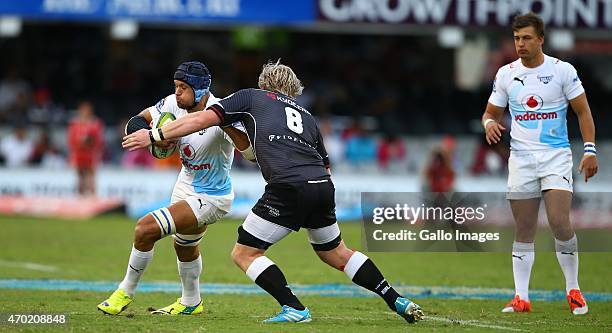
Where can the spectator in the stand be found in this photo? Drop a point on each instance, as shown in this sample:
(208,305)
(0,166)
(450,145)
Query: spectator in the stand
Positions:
(43,111)
(440,172)
(333,143)
(353,129)
(40,113)
(40,147)
(360,147)
(85,142)
(391,150)
(45,153)
(492,159)
(14,94)
(16,148)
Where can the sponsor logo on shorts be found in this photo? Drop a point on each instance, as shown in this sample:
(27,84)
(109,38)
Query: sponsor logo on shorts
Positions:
(272,211)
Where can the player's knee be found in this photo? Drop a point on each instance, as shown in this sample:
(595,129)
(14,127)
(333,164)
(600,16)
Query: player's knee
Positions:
(146,231)
(336,257)
(154,226)
(330,252)
(237,255)
(164,221)
(242,254)
(559,221)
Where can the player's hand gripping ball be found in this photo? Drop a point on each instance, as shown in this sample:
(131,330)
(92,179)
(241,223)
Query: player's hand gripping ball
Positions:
(162,149)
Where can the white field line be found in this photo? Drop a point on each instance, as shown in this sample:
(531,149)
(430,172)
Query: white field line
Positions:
(28,265)
(474,323)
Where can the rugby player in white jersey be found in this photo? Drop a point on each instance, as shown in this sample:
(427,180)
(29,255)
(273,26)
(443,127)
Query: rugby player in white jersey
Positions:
(202,194)
(538,89)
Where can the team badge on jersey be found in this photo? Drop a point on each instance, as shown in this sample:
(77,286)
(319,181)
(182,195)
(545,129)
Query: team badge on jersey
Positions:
(545,79)
(532,103)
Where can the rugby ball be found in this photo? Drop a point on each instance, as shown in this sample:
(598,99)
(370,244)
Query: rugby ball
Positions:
(159,121)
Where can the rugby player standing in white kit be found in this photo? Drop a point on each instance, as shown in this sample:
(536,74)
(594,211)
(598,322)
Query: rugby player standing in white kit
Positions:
(537,89)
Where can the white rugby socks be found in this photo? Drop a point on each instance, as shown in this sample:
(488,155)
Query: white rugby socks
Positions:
(523,256)
(567,255)
(136,267)
(190,281)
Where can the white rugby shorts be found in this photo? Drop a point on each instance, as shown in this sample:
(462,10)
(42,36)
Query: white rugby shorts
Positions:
(207,209)
(531,172)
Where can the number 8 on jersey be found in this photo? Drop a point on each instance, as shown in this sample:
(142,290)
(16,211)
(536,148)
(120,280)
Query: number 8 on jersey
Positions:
(294,120)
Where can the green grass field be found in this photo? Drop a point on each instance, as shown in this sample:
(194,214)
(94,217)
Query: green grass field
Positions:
(98,249)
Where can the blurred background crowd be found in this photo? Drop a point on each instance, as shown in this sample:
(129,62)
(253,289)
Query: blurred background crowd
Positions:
(389,100)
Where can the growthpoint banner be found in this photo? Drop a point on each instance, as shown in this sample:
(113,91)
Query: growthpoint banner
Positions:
(474,222)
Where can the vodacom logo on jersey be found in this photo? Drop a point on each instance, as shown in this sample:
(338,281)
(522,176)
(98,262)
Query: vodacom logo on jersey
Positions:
(187,155)
(532,104)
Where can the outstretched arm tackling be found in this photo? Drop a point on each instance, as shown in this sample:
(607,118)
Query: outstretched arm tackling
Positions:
(188,124)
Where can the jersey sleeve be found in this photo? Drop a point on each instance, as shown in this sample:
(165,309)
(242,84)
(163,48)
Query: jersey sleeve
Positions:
(167,104)
(499,96)
(237,125)
(234,107)
(572,86)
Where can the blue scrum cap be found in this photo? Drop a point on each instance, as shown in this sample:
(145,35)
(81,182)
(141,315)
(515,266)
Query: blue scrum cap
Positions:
(196,75)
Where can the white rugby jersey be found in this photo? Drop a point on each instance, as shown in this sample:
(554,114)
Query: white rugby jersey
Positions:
(206,155)
(538,99)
